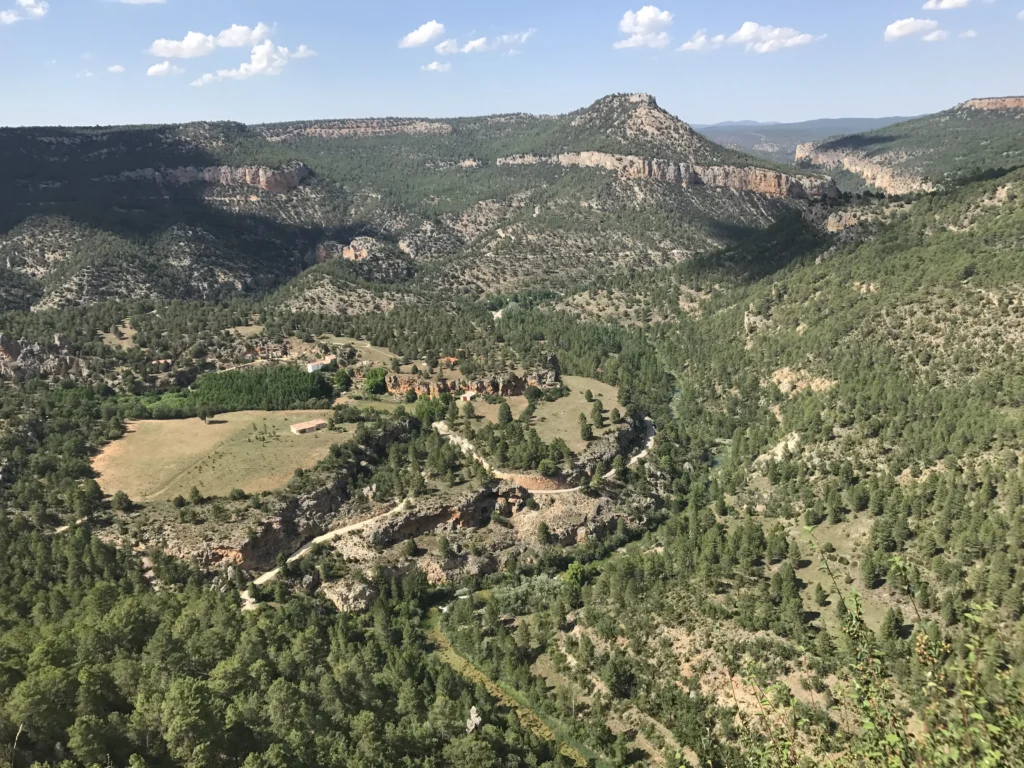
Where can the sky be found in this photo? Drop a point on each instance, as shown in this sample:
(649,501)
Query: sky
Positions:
(89,62)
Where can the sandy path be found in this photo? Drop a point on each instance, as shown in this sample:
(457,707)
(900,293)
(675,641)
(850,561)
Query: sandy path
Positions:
(305,549)
(467,448)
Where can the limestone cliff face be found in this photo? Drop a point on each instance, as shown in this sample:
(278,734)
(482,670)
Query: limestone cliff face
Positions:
(276,180)
(506,385)
(1007,102)
(346,129)
(892,180)
(760,180)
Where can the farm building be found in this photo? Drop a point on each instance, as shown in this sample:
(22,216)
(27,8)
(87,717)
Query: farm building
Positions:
(305,427)
(320,364)
(467,396)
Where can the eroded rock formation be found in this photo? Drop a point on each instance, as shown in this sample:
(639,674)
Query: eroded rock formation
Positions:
(893,181)
(760,180)
(507,385)
(1005,102)
(276,180)
(343,129)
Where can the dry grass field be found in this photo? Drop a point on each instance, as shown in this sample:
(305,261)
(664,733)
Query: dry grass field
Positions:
(562,417)
(251,450)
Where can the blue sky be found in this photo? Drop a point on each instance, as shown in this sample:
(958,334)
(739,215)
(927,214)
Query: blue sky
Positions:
(270,60)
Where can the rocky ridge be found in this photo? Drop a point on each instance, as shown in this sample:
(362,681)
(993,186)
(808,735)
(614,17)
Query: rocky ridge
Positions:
(349,129)
(892,180)
(759,180)
(276,180)
(994,104)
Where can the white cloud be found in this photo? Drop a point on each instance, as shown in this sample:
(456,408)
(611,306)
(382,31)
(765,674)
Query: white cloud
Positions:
(265,59)
(1021,15)
(475,46)
(425,34)
(646,28)
(969,33)
(239,36)
(936,37)
(447,47)
(116,69)
(163,70)
(33,9)
(701,42)
(193,45)
(27,9)
(437,66)
(945,5)
(909,28)
(196,44)
(761,39)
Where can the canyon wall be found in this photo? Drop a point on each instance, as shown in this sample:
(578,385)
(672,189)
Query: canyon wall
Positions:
(893,181)
(760,180)
(276,180)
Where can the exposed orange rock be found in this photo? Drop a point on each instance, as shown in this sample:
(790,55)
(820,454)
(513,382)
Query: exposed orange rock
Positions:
(760,180)
(1003,102)
(893,180)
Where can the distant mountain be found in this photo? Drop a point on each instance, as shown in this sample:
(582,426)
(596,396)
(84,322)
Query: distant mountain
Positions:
(742,124)
(969,140)
(778,141)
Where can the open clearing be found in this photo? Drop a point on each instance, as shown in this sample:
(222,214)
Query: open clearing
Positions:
(562,417)
(251,450)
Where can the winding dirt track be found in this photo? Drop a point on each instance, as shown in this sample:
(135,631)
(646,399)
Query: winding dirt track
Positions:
(467,448)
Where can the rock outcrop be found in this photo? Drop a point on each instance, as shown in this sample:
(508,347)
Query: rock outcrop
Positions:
(277,180)
(892,180)
(507,385)
(995,104)
(760,180)
(21,358)
(349,129)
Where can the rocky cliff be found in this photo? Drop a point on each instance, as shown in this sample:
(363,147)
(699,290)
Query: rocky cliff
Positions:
(276,180)
(892,180)
(1006,102)
(506,385)
(760,180)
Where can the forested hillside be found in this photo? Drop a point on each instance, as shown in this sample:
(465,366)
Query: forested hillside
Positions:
(204,210)
(789,534)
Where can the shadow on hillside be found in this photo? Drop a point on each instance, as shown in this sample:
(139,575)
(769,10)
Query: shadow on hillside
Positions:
(760,253)
(147,226)
(857,141)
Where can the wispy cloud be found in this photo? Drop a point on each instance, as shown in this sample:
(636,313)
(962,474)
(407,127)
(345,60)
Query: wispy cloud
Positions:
(437,66)
(945,5)
(423,35)
(26,10)
(910,28)
(451,46)
(116,69)
(756,38)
